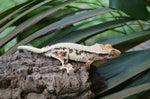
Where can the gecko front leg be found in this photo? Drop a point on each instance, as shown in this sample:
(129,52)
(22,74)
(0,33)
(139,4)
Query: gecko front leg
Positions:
(62,56)
(88,64)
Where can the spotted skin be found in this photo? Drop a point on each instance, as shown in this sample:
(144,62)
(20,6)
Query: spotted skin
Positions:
(66,54)
(70,51)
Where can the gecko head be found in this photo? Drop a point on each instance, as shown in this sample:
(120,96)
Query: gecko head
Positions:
(112,52)
(108,51)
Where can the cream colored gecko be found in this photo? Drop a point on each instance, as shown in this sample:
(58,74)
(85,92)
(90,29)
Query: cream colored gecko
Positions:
(71,51)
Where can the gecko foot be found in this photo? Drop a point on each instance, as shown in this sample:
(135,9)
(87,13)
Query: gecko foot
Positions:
(68,67)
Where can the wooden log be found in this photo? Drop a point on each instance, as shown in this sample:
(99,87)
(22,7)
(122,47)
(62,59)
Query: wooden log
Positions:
(34,76)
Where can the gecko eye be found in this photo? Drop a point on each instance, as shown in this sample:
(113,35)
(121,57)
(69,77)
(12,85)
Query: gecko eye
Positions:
(112,53)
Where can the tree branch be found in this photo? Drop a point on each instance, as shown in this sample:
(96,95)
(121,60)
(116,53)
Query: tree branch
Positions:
(34,76)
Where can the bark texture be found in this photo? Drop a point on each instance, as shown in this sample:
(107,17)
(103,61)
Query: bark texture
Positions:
(34,76)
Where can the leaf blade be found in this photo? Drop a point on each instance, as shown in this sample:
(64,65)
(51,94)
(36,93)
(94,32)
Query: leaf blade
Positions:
(10,15)
(22,27)
(91,31)
(128,92)
(24,13)
(59,25)
(124,67)
(135,8)
(126,42)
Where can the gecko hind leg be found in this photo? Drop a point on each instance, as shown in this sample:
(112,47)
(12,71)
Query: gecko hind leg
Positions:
(64,62)
(67,66)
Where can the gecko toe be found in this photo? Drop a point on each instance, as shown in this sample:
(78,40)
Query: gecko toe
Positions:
(68,67)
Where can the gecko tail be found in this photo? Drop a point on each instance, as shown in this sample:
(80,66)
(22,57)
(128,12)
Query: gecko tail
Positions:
(30,48)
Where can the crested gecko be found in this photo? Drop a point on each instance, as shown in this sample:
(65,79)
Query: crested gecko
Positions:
(71,51)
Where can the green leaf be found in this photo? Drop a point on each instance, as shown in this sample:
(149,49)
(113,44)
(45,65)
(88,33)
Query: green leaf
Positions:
(13,9)
(58,15)
(60,35)
(128,92)
(124,68)
(33,20)
(91,31)
(73,36)
(21,15)
(126,42)
(59,25)
(140,79)
(13,13)
(134,8)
